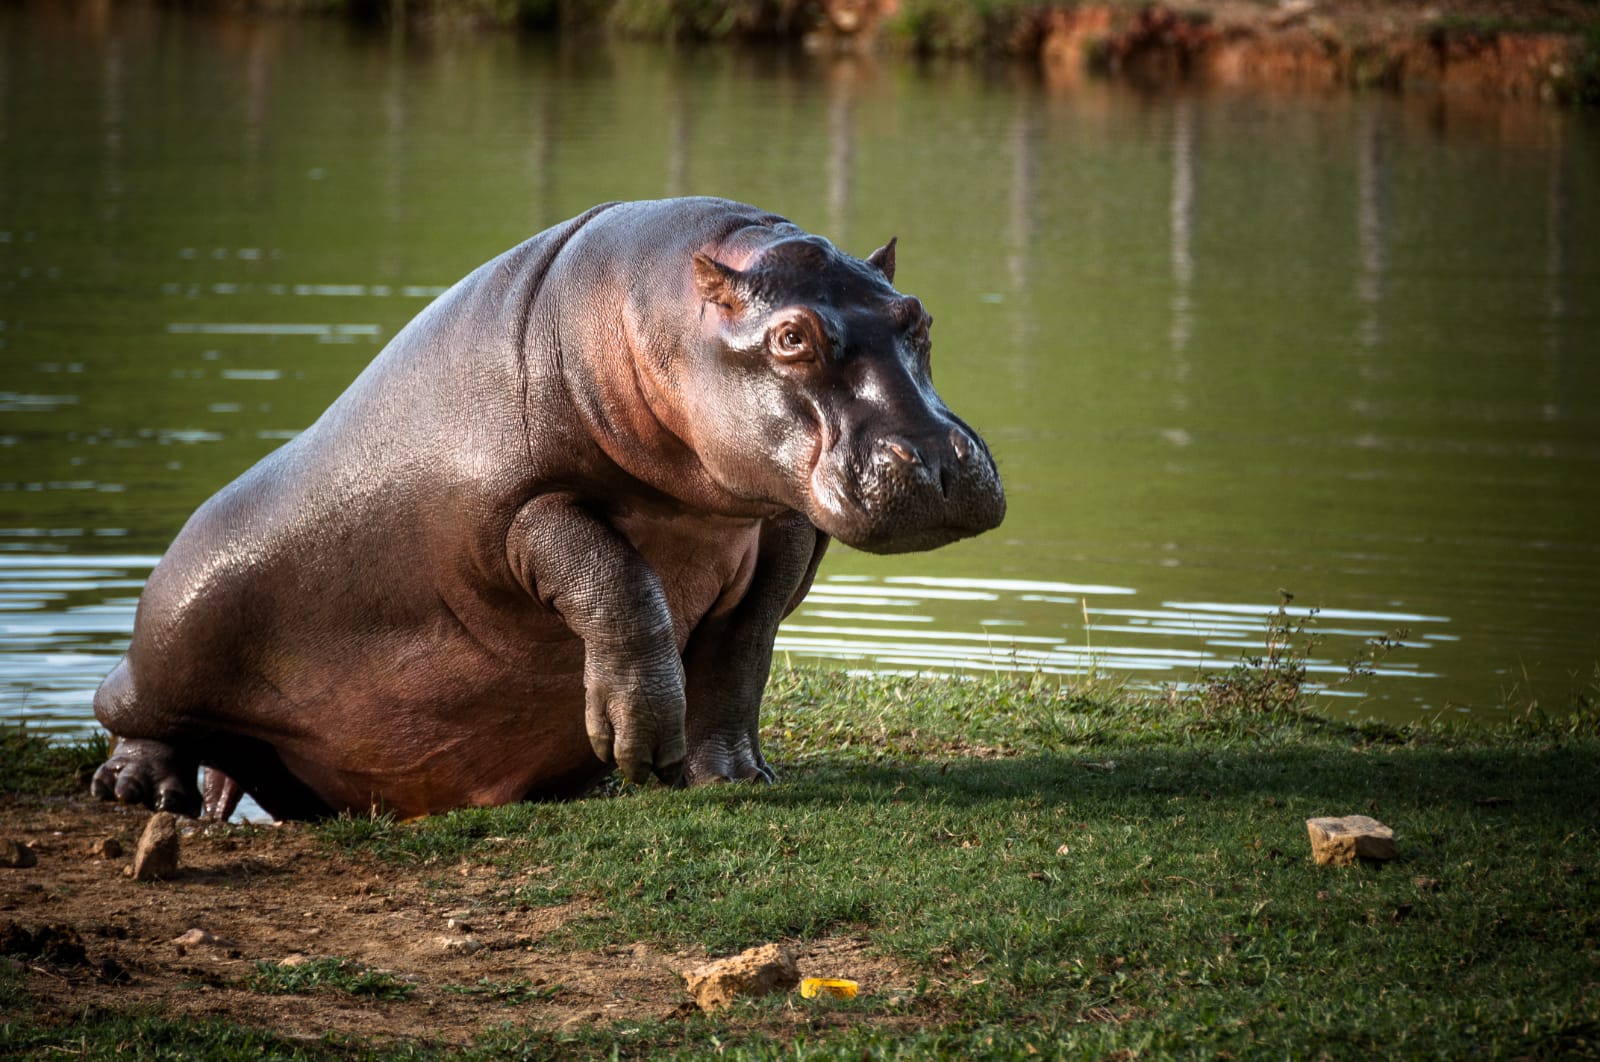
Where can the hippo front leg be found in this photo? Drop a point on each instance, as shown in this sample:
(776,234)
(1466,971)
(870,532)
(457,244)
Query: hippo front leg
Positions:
(612,599)
(154,773)
(728,659)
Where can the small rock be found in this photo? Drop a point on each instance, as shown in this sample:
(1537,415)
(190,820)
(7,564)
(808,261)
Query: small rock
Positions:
(16,854)
(294,960)
(459,925)
(1426,884)
(157,854)
(197,937)
(1340,842)
(460,945)
(106,848)
(755,972)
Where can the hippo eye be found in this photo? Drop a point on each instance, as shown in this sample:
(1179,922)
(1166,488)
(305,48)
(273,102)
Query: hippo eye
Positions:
(790,344)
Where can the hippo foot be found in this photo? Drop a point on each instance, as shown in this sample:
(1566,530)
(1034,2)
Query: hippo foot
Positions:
(151,773)
(635,719)
(716,762)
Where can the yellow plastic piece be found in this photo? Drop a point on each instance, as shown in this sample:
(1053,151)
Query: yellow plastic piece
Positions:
(837,987)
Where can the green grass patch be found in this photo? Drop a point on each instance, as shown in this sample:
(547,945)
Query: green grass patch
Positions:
(35,765)
(327,975)
(1066,870)
(1085,875)
(105,1034)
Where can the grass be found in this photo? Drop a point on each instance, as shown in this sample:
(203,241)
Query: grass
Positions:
(328,974)
(1067,872)
(34,764)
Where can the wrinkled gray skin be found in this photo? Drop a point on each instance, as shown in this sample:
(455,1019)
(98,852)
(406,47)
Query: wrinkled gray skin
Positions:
(553,526)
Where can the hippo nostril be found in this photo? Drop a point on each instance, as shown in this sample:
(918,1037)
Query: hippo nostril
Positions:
(902,450)
(960,444)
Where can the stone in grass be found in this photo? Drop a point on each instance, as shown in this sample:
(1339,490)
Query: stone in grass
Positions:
(16,854)
(1340,842)
(755,972)
(157,854)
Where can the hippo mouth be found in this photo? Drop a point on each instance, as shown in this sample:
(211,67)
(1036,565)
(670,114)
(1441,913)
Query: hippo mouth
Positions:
(901,495)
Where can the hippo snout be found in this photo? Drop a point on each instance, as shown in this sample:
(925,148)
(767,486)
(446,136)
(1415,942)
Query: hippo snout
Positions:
(922,491)
(936,462)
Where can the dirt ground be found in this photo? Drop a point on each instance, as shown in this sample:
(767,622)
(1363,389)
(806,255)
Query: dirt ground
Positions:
(271,892)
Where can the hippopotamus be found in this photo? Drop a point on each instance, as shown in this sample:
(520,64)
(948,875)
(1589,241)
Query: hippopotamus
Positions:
(549,531)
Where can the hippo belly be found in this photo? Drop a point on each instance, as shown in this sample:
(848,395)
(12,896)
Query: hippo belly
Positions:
(482,702)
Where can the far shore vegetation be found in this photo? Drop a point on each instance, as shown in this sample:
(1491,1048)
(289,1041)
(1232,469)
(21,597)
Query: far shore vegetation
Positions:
(1064,870)
(944,26)
(1493,49)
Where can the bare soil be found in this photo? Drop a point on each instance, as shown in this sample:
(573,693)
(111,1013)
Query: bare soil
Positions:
(271,892)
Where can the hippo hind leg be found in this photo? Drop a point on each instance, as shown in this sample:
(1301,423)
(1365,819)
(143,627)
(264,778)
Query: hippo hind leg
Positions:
(236,765)
(222,794)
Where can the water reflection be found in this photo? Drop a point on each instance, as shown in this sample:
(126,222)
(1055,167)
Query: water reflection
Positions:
(64,621)
(1173,643)
(1181,209)
(1373,223)
(1220,344)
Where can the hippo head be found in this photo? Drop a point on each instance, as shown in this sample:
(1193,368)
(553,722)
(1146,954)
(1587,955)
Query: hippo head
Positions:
(811,386)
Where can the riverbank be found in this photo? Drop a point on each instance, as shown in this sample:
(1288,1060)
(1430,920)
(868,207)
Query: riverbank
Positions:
(1497,48)
(1006,868)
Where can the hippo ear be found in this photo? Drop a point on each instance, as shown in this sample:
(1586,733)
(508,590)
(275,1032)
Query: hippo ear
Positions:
(718,283)
(883,258)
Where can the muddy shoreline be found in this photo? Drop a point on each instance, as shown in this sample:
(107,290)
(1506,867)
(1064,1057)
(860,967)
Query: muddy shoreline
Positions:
(469,958)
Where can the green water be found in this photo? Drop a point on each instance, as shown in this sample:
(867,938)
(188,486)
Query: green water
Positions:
(1347,346)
